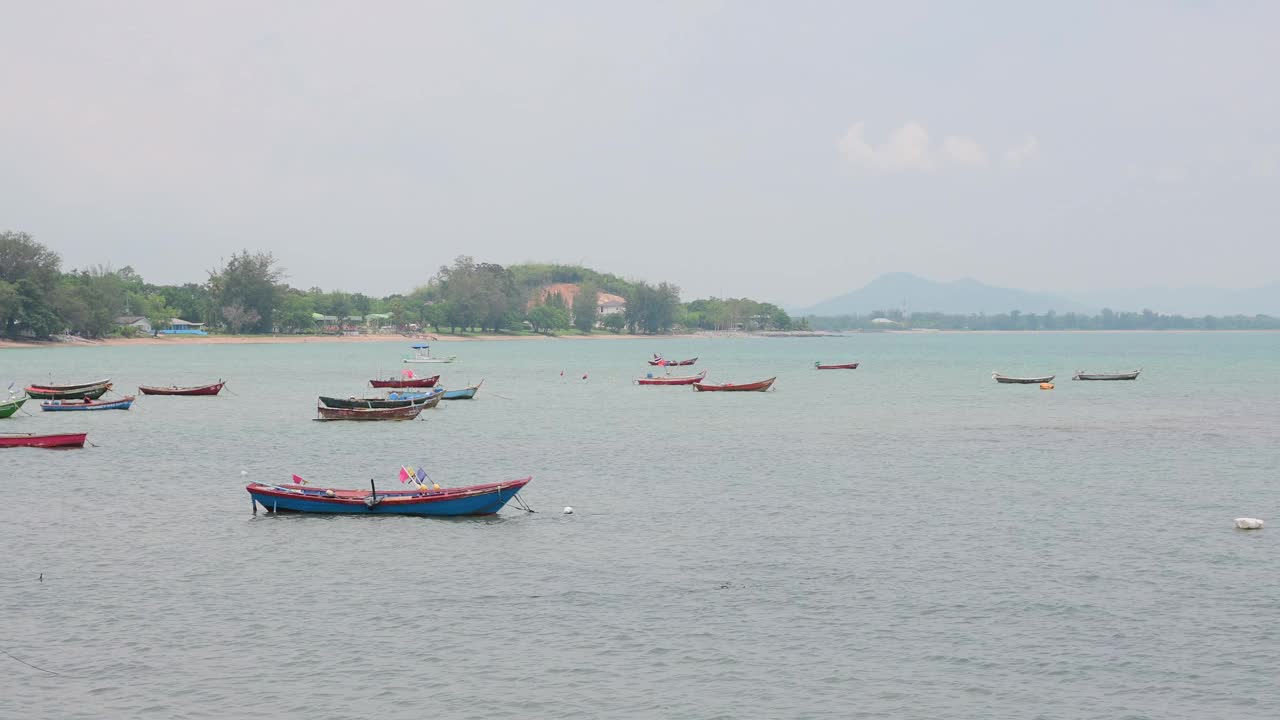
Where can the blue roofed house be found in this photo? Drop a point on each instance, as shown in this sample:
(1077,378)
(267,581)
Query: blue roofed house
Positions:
(178,326)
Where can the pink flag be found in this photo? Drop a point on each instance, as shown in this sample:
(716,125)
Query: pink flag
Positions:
(405,474)
(298,481)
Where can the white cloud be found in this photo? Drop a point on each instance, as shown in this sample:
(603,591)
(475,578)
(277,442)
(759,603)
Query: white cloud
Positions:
(1024,152)
(964,151)
(909,149)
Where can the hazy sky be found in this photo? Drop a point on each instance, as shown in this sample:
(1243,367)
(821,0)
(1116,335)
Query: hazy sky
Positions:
(789,151)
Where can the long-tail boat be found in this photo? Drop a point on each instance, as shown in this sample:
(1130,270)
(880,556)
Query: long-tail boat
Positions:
(92,392)
(11,406)
(123,403)
(72,386)
(394,400)
(446,502)
(406,382)
(839,366)
(210,389)
(422,354)
(408,412)
(668,380)
(672,363)
(463,393)
(760,386)
(56,440)
(1107,376)
(1007,380)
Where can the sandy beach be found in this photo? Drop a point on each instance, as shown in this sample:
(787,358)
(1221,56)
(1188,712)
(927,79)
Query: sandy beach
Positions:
(300,339)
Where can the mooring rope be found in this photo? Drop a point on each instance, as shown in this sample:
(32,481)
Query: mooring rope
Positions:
(24,662)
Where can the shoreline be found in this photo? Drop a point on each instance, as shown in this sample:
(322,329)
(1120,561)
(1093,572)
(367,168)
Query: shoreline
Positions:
(7,344)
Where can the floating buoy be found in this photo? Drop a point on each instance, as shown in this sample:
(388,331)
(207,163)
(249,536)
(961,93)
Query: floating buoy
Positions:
(243,473)
(1249,523)
(568,510)
(584,376)
(561,373)
(1046,386)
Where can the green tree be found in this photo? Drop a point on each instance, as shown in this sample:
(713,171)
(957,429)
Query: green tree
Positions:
(33,272)
(159,312)
(615,322)
(295,312)
(247,291)
(585,307)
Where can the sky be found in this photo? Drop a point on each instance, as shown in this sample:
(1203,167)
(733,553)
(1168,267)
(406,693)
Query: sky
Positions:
(788,152)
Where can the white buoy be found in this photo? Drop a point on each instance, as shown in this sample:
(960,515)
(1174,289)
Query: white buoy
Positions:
(243,473)
(568,510)
(1249,523)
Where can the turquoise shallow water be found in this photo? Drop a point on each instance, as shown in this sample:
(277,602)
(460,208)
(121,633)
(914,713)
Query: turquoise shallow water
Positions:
(907,540)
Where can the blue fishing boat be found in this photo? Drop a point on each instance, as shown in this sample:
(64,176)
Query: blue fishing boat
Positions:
(123,403)
(464,393)
(423,500)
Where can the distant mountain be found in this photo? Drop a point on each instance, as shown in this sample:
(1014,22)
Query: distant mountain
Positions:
(1191,302)
(962,297)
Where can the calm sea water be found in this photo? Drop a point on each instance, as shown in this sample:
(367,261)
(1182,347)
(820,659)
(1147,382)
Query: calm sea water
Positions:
(907,540)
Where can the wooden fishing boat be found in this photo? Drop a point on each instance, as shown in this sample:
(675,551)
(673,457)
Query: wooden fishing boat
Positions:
(840,366)
(123,403)
(446,502)
(760,386)
(685,380)
(92,392)
(1007,380)
(1080,375)
(463,394)
(11,406)
(672,363)
(394,400)
(73,386)
(211,389)
(408,412)
(56,440)
(422,354)
(407,382)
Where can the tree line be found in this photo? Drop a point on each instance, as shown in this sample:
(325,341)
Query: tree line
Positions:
(1014,320)
(248,294)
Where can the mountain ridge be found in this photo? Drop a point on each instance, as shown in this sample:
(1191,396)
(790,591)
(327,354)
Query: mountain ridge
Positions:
(966,296)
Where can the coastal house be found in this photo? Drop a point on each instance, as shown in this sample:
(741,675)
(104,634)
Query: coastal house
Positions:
(137,322)
(178,326)
(606,303)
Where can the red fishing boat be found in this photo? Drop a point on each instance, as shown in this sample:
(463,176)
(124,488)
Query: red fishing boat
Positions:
(59,440)
(212,389)
(685,380)
(841,366)
(672,363)
(730,387)
(406,382)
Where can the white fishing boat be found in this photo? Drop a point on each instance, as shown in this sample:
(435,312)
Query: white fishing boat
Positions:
(422,354)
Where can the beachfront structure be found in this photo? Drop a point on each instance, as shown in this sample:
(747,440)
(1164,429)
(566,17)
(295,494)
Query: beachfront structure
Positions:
(606,303)
(138,322)
(178,326)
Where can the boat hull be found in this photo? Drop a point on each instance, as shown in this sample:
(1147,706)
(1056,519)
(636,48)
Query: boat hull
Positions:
(842,366)
(406,383)
(202,390)
(75,386)
(687,380)
(408,412)
(464,393)
(60,440)
(7,409)
(93,393)
(673,363)
(449,502)
(426,401)
(72,406)
(1107,376)
(428,361)
(1005,380)
(744,387)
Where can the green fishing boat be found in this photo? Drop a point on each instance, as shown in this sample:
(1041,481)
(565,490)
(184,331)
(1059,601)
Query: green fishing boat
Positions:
(11,406)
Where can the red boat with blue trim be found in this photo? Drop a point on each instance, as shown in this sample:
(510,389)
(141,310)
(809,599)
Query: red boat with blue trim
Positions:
(424,500)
